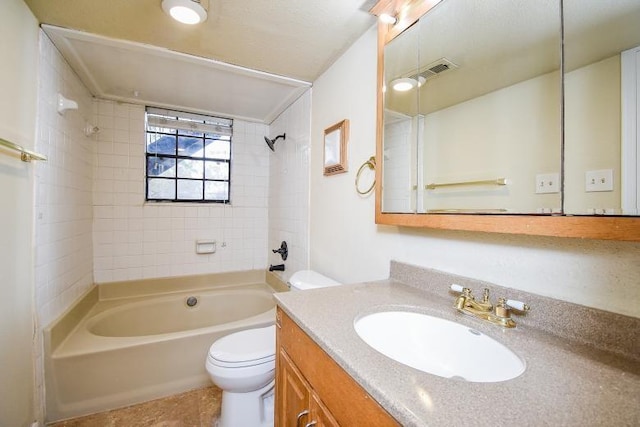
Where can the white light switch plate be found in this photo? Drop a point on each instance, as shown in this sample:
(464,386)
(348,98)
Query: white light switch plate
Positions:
(547,183)
(600,180)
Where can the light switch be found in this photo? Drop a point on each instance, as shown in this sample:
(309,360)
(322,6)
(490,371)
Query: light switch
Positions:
(600,180)
(547,183)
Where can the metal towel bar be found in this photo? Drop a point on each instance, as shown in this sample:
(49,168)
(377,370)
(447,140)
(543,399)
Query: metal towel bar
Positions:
(497,181)
(25,155)
(473,211)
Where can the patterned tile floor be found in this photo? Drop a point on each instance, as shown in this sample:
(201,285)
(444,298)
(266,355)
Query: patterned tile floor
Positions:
(196,408)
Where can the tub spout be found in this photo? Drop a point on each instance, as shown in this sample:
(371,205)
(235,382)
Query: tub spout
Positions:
(279,267)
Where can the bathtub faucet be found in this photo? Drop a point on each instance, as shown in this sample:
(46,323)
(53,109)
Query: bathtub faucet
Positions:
(283,251)
(279,267)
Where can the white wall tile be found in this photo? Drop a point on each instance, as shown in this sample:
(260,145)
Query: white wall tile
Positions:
(63,201)
(288,194)
(63,190)
(158,239)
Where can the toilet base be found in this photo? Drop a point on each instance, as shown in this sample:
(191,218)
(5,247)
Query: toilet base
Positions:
(254,408)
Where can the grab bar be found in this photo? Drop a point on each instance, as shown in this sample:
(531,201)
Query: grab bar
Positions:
(25,155)
(497,181)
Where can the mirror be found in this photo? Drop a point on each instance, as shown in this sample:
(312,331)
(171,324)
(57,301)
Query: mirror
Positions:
(491,135)
(335,148)
(602,72)
(479,120)
(401,123)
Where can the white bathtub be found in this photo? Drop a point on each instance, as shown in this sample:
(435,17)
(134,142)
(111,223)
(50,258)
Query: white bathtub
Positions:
(130,350)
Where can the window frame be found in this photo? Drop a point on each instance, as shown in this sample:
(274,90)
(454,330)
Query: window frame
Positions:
(198,119)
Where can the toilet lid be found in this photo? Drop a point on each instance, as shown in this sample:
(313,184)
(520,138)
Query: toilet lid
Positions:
(248,347)
(309,279)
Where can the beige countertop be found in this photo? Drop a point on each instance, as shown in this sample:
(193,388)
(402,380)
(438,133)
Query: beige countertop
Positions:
(565,382)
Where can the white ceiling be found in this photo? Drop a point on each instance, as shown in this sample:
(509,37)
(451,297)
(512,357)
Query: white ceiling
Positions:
(497,43)
(250,59)
(162,78)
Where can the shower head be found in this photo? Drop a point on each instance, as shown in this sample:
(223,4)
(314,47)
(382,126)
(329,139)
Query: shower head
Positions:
(272,142)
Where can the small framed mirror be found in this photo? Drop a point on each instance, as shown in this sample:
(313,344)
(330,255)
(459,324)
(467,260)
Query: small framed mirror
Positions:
(335,148)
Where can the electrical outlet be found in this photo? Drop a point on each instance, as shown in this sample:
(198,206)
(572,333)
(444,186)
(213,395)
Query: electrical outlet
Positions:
(547,183)
(600,180)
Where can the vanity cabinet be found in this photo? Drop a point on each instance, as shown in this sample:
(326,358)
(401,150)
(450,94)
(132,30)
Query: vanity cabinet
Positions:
(310,383)
(300,404)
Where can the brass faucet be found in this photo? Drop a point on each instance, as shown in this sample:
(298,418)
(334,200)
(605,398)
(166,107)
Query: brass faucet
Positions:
(499,315)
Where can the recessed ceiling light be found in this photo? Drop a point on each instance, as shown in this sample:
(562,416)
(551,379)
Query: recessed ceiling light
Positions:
(186,11)
(403,84)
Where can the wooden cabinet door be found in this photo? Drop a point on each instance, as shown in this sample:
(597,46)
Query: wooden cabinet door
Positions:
(320,414)
(308,379)
(293,395)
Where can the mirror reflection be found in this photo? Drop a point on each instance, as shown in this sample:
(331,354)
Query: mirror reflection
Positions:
(401,123)
(472,109)
(482,103)
(602,75)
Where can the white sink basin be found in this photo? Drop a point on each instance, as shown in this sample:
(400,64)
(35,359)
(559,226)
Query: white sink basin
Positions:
(439,347)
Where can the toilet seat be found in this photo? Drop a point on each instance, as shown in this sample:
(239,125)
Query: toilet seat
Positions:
(250,347)
(242,364)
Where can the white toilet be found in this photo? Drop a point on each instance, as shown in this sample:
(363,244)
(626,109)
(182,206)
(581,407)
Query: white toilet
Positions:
(243,366)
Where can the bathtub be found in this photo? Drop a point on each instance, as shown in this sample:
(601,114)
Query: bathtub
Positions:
(127,350)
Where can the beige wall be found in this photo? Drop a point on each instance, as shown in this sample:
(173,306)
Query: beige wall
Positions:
(347,245)
(592,98)
(523,143)
(18,86)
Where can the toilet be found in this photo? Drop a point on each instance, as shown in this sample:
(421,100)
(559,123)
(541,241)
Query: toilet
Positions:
(243,365)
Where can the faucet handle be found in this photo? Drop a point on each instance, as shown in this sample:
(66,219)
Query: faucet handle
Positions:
(456,288)
(517,305)
(485,295)
(464,291)
(504,306)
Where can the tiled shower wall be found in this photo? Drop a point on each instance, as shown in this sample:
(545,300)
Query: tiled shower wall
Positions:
(397,177)
(63,199)
(136,240)
(289,186)
(63,202)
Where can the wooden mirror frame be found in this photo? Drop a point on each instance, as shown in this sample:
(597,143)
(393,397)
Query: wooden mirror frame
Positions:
(407,12)
(342,131)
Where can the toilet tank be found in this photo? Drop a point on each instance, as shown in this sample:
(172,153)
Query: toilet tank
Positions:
(309,279)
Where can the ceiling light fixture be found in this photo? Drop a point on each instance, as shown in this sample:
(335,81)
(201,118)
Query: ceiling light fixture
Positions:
(388,18)
(403,84)
(186,11)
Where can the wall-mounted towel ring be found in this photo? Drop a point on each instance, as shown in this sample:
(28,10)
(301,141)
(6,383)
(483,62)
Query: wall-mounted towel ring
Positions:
(371,164)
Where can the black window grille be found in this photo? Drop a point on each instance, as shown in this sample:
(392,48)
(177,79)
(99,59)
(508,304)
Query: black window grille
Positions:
(188,157)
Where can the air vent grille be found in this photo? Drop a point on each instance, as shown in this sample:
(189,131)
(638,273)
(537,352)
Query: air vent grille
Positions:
(439,68)
(436,68)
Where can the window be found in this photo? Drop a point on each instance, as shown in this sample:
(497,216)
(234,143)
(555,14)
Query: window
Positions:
(188,157)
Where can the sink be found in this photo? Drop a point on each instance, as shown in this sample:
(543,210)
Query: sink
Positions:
(438,346)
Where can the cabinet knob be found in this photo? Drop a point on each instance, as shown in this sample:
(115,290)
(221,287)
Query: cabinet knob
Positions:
(311,424)
(300,415)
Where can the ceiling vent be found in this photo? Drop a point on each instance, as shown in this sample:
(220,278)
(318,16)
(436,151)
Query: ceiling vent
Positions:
(436,68)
